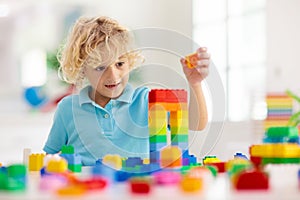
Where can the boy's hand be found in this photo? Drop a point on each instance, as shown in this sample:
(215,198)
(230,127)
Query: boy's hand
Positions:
(196,74)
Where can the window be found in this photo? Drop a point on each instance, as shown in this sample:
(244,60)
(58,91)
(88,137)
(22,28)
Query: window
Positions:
(234,32)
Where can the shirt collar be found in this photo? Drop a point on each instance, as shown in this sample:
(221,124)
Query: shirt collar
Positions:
(126,96)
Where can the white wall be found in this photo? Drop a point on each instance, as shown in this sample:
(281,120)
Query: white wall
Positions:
(38,24)
(283,45)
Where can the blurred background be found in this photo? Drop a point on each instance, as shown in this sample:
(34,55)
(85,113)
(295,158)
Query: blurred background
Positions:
(254,45)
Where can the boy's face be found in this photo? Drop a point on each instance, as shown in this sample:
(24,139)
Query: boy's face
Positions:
(109,81)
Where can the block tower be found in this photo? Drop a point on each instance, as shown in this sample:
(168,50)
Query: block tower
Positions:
(280,109)
(168,112)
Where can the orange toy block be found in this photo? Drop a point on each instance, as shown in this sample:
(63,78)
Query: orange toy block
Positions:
(170,106)
(192,60)
(171,156)
(190,184)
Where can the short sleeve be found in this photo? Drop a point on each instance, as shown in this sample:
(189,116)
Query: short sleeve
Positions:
(58,133)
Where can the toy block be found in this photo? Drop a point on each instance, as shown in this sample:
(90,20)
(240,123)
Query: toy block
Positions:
(72,159)
(287,150)
(180,145)
(257,161)
(104,170)
(158,139)
(266,161)
(166,177)
(75,167)
(95,183)
(219,165)
(52,182)
(275,132)
(36,162)
(157,146)
(192,60)
(177,138)
(114,161)
(189,160)
(170,106)
(236,165)
(240,155)
(179,122)
(251,180)
(212,169)
(158,131)
(71,190)
(133,161)
(169,96)
(146,161)
(140,185)
(157,123)
(210,159)
(190,184)
(180,114)
(57,165)
(16,170)
(179,130)
(26,154)
(171,157)
(67,149)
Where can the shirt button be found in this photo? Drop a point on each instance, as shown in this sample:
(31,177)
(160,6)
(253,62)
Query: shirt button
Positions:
(106,116)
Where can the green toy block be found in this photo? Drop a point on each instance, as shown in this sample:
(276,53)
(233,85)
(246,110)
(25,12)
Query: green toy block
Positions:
(179,138)
(75,168)
(158,138)
(67,149)
(17,170)
(213,170)
(283,131)
(280,161)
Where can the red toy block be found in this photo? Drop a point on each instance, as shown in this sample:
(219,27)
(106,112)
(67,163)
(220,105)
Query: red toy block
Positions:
(140,186)
(168,96)
(256,160)
(219,165)
(252,180)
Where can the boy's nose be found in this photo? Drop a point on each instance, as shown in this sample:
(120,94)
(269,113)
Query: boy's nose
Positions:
(112,71)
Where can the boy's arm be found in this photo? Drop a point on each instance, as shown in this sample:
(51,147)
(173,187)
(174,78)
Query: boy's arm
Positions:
(197,108)
(195,68)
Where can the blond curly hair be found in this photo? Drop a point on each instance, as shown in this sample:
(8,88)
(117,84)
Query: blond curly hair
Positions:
(94,41)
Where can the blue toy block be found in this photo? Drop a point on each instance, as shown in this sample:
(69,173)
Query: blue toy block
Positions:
(157,146)
(185,153)
(72,159)
(192,159)
(122,176)
(104,170)
(133,161)
(240,155)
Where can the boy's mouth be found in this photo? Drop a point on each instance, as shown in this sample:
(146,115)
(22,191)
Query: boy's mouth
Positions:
(110,86)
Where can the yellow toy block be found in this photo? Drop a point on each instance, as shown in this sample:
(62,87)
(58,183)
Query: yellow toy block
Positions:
(36,162)
(230,163)
(146,161)
(208,160)
(114,161)
(57,165)
(275,150)
(160,114)
(158,131)
(171,156)
(157,122)
(192,60)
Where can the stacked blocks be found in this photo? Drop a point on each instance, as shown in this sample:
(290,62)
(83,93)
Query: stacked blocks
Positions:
(280,147)
(280,109)
(162,102)
(73,159)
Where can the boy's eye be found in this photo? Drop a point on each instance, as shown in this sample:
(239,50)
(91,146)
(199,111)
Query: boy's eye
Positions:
(120,64)
(100,68)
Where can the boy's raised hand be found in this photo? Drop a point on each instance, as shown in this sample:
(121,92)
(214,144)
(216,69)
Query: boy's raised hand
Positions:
(196,74)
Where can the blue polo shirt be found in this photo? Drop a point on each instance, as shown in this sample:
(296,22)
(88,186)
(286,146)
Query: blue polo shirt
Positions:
(121,127)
